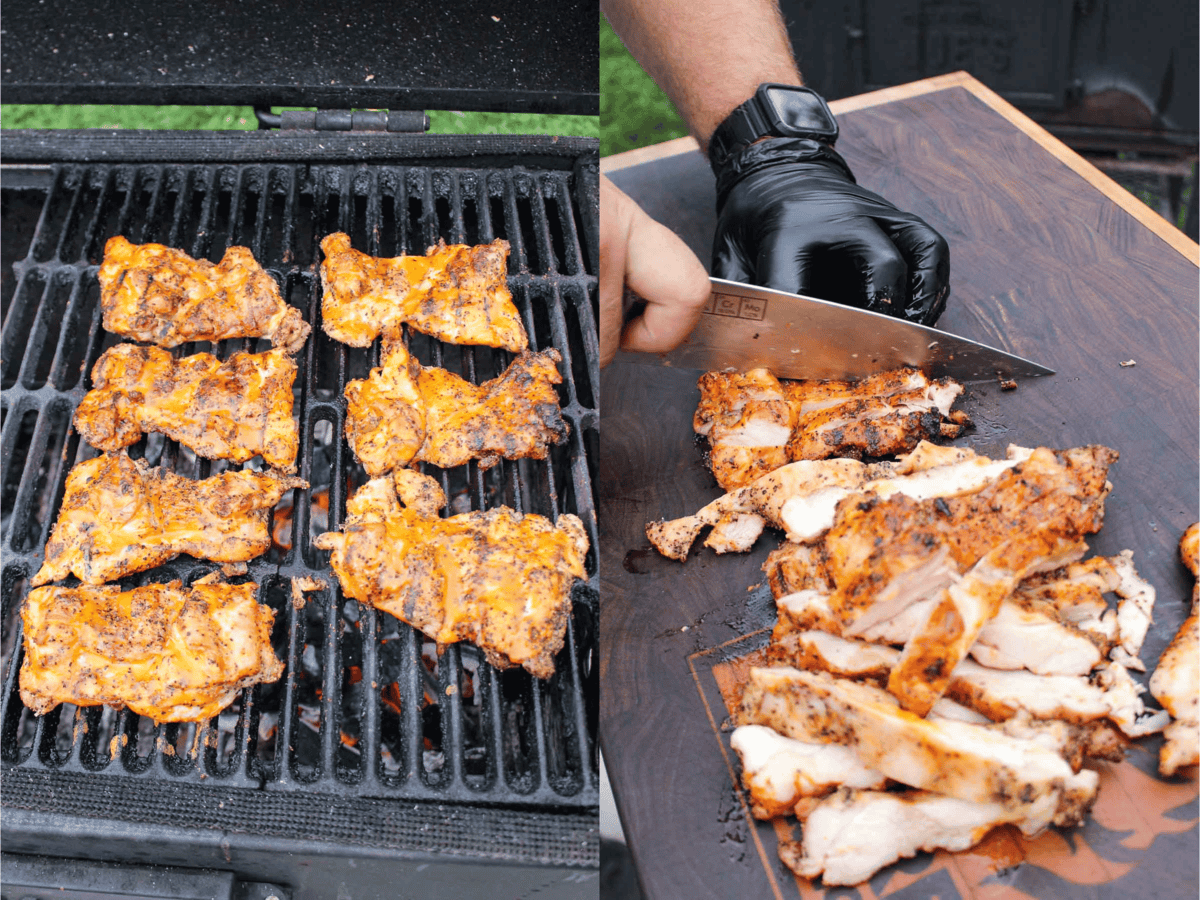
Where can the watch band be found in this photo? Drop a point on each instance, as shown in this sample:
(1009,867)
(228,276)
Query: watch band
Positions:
(743,126)
(757,118)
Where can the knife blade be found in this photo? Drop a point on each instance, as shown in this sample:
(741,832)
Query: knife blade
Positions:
(794,336)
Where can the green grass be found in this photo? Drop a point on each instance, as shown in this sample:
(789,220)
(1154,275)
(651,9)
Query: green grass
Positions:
(242,118)
(633,111)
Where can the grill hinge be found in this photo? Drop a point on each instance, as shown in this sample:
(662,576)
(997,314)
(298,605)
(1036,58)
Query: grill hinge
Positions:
(402,120)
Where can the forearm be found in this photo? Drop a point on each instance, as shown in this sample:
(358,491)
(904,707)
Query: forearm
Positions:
(707,55)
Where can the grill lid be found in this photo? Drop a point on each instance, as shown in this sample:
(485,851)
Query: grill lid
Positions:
(492,55)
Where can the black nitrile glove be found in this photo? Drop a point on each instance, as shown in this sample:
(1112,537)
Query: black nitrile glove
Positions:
(791,217)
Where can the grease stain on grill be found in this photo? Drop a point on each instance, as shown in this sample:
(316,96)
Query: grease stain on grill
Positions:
(366,706)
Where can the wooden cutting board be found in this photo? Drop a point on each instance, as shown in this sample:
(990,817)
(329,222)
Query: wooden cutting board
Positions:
(1051,260)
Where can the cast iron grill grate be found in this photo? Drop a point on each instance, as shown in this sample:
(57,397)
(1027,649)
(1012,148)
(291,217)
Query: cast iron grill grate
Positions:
(366,706)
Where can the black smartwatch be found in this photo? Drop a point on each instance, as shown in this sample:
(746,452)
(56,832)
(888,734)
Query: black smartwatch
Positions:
(778,110)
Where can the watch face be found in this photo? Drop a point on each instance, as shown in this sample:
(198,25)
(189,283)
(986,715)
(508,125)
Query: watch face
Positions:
(800,111)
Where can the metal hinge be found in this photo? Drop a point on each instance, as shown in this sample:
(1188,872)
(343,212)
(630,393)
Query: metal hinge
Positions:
(397,120)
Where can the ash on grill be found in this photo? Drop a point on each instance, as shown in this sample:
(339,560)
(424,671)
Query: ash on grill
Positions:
(366,706)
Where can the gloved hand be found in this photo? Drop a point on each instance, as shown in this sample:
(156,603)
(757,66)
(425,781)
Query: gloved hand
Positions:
(791,217)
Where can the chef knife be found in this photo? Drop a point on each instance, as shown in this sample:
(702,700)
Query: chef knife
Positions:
(800,337)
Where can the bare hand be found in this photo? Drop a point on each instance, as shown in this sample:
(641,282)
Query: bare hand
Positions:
(652,260)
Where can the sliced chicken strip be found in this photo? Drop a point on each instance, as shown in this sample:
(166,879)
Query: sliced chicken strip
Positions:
(1176,680)
(812,396)
(807,517)
(1108,693)
(810,609)
(1023,636)
(821,651)
(763,498)
(1176,685)
(735,532)
(1135,611)
(1016,637)
(877,426)
(853,834)
(779,771)
(961,612)
(796,567)
(957,759)
(748,424)
(802,497)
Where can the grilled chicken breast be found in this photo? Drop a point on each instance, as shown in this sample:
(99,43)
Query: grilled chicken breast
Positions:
(514,416)
(162,296)
(385,412)
(455,293)
(235,409)
(173,654)
(402,413)
(119,516)
(498,579)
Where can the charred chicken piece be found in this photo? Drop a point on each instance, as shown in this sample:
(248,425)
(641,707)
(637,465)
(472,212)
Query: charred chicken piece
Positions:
(235,409)
(455,293)
(119,516)
(886,551)
(166,652)
(756,423)
(514,416)
(748,423)
(1189,552)
(162,296)
(385,413)
(499,579)
(879,416)
(403,412)
(1176,680)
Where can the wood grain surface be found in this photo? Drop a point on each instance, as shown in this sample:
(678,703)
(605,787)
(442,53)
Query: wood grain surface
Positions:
(1045,265)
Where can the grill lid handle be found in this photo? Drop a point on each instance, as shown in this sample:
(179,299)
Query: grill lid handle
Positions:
(402,120)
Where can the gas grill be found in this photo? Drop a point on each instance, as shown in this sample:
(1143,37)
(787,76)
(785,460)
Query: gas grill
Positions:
(375,765)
